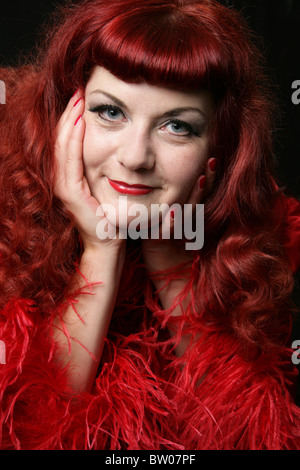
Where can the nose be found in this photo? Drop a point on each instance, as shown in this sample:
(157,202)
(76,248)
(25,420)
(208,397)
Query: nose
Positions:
(136,151)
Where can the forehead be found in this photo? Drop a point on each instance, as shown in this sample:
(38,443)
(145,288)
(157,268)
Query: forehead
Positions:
(143,94)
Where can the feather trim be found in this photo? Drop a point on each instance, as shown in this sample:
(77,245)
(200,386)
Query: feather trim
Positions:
(144,396)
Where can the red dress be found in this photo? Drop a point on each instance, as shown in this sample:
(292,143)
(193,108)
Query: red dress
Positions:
(143,398)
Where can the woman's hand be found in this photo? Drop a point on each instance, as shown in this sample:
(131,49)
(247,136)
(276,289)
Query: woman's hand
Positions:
(71,185)
(101,263)
(163,254)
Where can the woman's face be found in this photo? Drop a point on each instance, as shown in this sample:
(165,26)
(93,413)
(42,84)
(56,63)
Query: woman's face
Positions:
(144,142)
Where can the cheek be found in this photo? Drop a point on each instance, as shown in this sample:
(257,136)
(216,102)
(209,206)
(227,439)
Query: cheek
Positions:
(185,172)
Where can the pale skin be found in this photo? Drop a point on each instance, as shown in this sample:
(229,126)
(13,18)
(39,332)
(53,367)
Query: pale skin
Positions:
(141,135)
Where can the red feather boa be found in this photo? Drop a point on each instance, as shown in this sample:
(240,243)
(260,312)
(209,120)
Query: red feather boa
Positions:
(144,396)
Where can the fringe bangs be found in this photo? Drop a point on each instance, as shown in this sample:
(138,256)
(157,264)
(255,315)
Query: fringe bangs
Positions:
(164,56)
(160,47)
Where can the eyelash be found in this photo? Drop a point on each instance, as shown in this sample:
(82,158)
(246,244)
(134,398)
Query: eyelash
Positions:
(104,107)
(191,131)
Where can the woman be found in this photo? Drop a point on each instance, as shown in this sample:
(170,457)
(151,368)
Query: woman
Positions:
(117,343)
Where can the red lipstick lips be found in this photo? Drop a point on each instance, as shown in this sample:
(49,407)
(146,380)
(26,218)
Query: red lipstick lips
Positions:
(133,189)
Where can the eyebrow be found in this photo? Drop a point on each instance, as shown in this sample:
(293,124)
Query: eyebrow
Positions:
(185,109)
(170,113)
(113,98)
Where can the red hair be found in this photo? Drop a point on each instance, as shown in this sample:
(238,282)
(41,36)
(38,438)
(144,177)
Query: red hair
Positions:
(242,276)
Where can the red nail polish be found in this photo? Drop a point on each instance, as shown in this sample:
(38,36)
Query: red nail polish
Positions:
(74,93)
(202,182)
(213,164)
(77,102)
(77,120)
(172,214)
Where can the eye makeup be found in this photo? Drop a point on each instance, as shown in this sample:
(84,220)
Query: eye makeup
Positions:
(111,110)
(111,113)
(189,129)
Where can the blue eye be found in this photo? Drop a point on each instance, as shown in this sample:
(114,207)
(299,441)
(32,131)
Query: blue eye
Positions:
(108,112)
(180,128)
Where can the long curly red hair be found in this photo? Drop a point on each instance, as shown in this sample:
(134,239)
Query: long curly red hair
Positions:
(243,281)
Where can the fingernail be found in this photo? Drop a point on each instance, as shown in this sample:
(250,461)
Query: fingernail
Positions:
(213,164)
(173,213)
(77,102)
(75,93)
(77,120)
(202,182)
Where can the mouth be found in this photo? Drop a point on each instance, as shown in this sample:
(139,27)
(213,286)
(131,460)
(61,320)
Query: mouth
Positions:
(134,189)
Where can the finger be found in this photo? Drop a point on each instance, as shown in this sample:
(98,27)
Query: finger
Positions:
(72,103)
(68,119)
(171,223)
(202,187)
(74,168)
(66,130)
(210,174)
(197,193)
(68,153)
(204,183)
